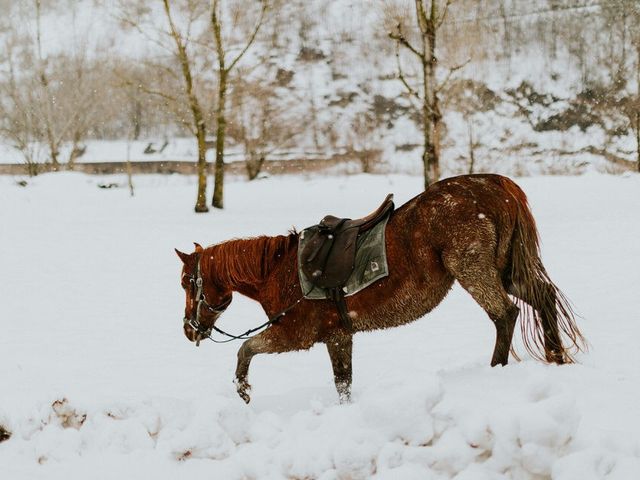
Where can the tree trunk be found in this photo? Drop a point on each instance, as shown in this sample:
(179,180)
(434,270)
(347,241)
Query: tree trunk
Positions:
(221,127)
(129,172)
(637,129)
(32,167)
(254,163)
(430,109)
(472,157)
(201,201)
(76,152)
(314,115)
(44,82)
(506,39)
(53,150)
(201,136)
(136,118)
(638,100)
(196,111)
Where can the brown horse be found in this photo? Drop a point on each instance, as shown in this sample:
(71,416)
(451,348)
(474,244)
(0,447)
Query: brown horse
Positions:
(476,229)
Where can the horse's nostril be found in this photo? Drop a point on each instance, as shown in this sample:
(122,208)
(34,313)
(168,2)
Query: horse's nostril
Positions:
(189,333)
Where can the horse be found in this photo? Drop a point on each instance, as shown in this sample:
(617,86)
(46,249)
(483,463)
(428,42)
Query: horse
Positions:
(476,229)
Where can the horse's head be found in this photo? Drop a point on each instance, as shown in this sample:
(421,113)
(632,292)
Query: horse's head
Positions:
(205,301)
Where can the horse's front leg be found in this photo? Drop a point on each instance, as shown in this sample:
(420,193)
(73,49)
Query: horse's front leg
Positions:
(249,348)
(340,349)
(272,340)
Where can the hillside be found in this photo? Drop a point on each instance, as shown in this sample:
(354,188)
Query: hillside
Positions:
(323,77)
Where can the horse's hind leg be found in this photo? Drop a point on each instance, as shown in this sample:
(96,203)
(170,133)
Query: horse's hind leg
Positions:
(340,349)
(478,275)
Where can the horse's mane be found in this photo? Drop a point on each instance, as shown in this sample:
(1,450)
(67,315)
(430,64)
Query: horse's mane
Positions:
(246,260)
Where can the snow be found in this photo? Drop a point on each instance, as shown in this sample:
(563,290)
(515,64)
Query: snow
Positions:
(98,380)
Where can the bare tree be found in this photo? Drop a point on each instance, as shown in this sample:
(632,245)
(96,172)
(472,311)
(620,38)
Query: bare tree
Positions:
(623,17)
(178,81)
(429,15)
(225,66)
(18,122)
(364,140)
(261,119)
(634,113)
(473,100)
(84,92)
(199,124)
(49,100)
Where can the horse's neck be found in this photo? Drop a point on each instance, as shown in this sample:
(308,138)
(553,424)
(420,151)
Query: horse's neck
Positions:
(244,265)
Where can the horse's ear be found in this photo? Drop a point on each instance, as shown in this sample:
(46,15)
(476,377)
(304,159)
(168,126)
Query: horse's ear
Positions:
(183,256)
(199,249)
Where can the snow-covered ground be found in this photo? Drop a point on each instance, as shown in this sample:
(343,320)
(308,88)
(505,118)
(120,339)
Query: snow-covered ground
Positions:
(91,309)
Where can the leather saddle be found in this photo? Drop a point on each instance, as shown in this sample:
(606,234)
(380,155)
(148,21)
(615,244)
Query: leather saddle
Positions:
(329,256)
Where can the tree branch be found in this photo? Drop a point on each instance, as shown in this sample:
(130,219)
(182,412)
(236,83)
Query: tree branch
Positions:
(421,14)
(412,92)
(263,11)
(166,69)
(399,37)
(451,72)
(217,35)
(136,26)
(151,91)
(444,13)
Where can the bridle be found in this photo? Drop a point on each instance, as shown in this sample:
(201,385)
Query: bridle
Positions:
(202,300)
(205,332)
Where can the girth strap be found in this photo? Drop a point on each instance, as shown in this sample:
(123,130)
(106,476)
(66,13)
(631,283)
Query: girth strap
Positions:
(337,295)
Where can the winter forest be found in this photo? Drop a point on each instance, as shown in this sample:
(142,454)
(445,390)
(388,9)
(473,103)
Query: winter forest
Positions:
(130,128)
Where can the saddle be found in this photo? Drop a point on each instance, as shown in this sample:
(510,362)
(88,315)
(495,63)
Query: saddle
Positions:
(328,258)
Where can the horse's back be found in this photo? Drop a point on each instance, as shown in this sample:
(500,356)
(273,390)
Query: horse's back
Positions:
(459,202)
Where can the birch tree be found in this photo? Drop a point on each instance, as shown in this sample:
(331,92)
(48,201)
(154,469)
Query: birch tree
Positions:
(262,117)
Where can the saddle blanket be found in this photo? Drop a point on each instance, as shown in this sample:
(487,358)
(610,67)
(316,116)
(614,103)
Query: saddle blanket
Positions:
(370,264)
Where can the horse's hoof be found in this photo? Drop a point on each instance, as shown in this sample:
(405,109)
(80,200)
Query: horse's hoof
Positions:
(344,394)
(243,388)
(244,396)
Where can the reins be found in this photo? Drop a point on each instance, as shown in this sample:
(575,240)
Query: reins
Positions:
(206,332)
(246,335)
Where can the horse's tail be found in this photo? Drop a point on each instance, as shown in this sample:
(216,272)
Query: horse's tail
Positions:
(532,282)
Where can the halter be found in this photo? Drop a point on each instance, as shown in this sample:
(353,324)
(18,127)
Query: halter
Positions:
(218,309)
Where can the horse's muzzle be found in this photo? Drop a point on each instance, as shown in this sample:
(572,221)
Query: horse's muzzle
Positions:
(192,334)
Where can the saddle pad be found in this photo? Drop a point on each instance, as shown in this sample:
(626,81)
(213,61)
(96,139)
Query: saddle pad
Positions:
(370,265)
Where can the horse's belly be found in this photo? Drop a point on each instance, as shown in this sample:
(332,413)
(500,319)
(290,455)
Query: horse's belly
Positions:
(402,297)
